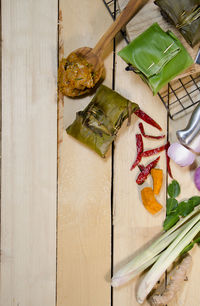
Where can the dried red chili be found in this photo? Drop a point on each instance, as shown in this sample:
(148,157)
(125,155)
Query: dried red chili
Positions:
(144,174)
(141,167)
(141,127)
(153,151)
(168,160)
(139,145)
(142,115)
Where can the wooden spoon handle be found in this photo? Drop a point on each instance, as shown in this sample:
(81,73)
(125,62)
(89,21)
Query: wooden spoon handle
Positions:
(132,8)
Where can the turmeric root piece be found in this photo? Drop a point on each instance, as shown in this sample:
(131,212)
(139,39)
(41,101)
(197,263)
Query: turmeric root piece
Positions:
(175,279)
(149,200)
(157,175)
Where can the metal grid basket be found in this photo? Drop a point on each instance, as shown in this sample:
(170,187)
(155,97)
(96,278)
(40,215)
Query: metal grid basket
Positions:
(179,95)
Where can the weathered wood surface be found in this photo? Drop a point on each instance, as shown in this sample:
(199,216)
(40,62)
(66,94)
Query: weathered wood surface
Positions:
(85,238)
(85,242)
(84,180)
(133,225)
(29,140)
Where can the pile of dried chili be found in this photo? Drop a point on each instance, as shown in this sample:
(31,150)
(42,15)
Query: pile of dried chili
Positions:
(145,171)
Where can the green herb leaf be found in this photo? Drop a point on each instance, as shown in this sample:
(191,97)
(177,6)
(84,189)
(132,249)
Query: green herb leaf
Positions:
(191,244)
(195,200)
(171,205)
(197,239)
(170,220)
(187,248)
(173,189)
(184,208)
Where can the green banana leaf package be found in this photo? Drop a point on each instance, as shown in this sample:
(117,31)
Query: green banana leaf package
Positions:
(97,125)
(185,15)
(157,56)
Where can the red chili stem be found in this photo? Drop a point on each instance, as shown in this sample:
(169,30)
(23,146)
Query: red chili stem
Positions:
(144,174)
(141,127)
(142,115)
(168,160)
(153,151)
(139,145)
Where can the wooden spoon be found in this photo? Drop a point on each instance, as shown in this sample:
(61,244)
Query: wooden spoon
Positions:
(93,56)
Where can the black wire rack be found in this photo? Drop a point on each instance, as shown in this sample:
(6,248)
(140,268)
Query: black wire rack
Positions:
(179,96)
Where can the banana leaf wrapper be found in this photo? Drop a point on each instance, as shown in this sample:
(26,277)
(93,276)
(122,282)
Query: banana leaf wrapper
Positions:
(157,56)
(185,15)
(97,125)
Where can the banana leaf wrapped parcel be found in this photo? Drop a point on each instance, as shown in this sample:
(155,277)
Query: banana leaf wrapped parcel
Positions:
(157,56)
(97,125)
(185,15)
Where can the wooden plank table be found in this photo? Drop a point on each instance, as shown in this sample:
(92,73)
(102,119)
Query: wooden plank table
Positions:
(105,226)
(69,219)
(29,141)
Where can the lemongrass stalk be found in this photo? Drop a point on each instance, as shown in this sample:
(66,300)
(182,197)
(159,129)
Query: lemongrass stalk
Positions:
(167,258)
(144,259)
(122,279)
(130,270)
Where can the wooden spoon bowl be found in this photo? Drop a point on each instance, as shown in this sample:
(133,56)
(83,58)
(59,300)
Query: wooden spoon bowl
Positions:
(93,59)
(85,70)
(77,78)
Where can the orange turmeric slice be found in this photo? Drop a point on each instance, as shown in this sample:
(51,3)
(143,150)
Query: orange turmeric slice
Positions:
(157,175)
(149,200)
